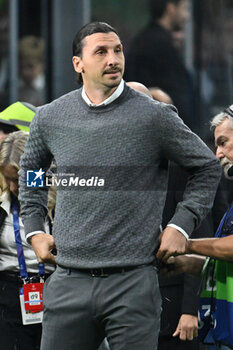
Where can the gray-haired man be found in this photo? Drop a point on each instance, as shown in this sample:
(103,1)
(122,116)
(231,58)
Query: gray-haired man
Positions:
(219,248)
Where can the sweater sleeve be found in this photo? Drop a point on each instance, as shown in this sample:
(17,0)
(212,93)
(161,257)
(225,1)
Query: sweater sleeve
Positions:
(33,201)
(185,148)
(191,295)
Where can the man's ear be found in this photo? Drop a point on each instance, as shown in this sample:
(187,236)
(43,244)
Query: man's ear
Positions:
(78,64)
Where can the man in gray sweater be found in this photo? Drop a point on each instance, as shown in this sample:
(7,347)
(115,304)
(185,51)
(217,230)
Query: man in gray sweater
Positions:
(111,145)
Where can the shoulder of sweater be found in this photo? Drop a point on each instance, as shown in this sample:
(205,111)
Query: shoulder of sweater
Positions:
(149,105)
(62,102)
(143,98)
(135,96)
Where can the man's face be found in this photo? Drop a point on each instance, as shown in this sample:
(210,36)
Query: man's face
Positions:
(180,14)
(30,70)
(224,142)
(102,61)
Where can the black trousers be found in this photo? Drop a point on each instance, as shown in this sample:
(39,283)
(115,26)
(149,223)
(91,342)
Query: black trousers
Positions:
(13,334)
(171,343)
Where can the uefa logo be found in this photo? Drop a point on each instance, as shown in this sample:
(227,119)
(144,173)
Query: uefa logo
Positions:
(35,178)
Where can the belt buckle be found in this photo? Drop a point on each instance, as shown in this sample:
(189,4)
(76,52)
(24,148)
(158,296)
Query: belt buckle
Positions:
(98,273)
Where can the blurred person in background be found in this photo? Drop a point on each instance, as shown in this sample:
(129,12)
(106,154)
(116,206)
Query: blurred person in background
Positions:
(154,57)
(31,70)
(160,95)
(14,335)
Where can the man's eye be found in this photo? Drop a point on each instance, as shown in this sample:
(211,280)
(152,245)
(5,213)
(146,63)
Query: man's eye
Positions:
(100,52)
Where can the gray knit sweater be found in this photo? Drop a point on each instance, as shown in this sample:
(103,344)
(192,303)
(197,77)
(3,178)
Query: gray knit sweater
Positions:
(125,143)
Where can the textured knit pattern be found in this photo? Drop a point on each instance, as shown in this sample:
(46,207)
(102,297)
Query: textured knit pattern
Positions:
(130,139)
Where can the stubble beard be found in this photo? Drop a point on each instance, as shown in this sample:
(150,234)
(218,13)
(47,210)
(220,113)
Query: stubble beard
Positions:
(113,83)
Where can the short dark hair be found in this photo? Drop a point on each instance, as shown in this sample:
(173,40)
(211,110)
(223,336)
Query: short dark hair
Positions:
(89,29)
(157,7)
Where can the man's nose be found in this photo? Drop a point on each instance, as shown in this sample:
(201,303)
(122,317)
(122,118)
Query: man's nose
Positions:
(219,153)
(112,58)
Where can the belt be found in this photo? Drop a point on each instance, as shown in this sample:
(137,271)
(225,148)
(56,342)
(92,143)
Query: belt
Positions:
(12,276)
(104,272)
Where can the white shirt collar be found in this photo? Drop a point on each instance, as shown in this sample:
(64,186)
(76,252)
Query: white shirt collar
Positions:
(108,100)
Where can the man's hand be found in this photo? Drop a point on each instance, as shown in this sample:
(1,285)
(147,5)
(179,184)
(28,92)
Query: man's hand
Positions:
(43,244)
(172,243)
(187,327)
(175,265)
(191,264)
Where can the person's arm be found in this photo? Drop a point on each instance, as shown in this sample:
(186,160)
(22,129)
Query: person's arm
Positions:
(185,148)
(192,264)
(33,201)
(187,325)
(172,243)
(43,245)
(219,248)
